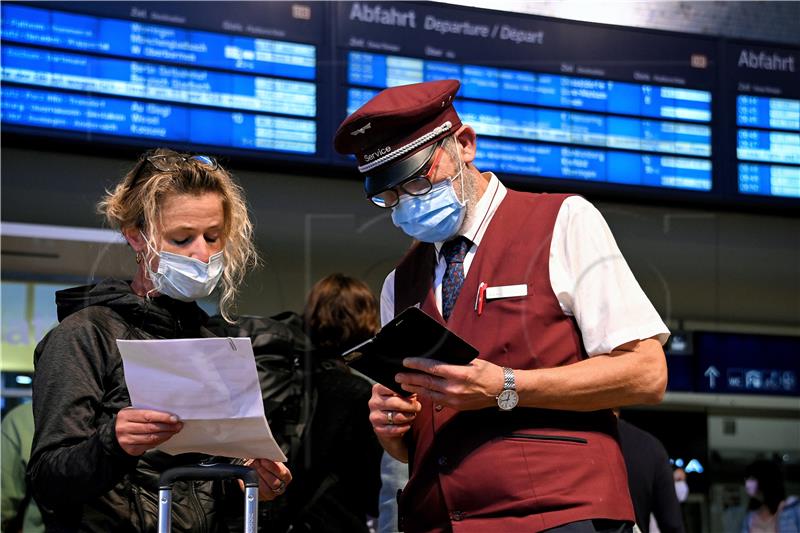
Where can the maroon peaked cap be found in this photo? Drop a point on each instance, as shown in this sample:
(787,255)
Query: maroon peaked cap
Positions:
(395,133)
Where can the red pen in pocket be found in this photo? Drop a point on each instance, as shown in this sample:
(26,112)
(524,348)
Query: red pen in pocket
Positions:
(480,298)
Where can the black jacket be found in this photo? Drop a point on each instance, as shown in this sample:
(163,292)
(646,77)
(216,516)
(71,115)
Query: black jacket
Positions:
(81,478)
(650,479)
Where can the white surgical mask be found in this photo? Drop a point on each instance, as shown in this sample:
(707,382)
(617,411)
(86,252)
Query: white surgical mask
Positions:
(185,278)
(681,490)
(751,487)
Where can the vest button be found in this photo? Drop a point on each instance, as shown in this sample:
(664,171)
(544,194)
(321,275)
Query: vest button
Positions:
(442,461)
(438,407)
(456,516)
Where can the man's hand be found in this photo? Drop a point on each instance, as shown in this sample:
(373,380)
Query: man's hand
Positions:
(139,430)
(462,387)
(273,478)
(391,416)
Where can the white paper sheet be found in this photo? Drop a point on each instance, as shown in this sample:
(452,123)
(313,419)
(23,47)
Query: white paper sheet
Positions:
(211,385)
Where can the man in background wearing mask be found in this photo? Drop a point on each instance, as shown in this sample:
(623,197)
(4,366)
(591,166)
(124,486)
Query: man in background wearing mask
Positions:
(522,438)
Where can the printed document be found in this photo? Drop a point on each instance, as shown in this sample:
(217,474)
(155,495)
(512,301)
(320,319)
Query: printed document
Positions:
(211,385)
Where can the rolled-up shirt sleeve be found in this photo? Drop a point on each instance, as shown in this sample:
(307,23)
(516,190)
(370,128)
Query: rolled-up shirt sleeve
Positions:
(594,283)
(387,299)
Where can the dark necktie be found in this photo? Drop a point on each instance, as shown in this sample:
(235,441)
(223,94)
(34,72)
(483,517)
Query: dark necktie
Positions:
(454,252)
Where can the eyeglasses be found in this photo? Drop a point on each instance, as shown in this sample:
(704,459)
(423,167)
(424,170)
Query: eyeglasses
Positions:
(171,163)
(168,163)
(415,186)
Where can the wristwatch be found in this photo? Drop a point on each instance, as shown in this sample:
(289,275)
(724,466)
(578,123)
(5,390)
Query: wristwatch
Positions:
(508,398)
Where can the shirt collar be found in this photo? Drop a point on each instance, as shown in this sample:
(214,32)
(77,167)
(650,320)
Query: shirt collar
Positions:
(483,213)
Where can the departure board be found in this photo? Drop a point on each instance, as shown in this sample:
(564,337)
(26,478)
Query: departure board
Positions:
(764,97)
(242,78)
(548,99)
(555,103)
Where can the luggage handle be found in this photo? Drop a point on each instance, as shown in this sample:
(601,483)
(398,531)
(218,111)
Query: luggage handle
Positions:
(208,472)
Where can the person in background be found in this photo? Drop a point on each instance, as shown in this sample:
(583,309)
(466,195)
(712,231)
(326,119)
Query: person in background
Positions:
(538,285)
(769,510)
(650,480)
(342,312)
(681,485)
(682,493)
(19,512)
(317,409)
(93,466)
(394,476)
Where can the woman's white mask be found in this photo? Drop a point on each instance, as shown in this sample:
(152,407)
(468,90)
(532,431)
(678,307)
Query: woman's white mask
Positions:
(185,278)
(751,487)
(681,490)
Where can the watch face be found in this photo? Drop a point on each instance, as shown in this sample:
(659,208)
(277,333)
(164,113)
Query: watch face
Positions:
(507,400)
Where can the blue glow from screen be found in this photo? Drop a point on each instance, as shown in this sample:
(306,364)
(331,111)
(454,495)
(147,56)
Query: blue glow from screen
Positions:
(513,86)
(155,42)
(766,154)
(94,75)
(563,143)
(694,466)
(149,120)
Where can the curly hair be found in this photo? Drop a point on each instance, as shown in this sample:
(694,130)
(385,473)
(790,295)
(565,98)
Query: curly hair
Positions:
(340,313)
(136,201)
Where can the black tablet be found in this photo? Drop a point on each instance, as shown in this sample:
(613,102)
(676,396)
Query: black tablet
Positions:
(412,333)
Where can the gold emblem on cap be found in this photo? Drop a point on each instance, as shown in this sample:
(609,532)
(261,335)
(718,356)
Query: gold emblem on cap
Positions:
(359,131)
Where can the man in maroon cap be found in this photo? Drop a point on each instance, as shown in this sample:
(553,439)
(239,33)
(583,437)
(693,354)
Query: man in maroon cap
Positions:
(523,438)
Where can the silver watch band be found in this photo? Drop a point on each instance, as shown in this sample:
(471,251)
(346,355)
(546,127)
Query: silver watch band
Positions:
(508,379)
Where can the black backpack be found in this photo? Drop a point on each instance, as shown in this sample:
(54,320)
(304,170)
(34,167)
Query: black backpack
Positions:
(281,350)
(286,369)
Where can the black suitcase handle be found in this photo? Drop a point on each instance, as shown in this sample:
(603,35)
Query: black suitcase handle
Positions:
(208,472)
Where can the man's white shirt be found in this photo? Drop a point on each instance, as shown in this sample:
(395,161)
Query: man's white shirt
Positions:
(588,274)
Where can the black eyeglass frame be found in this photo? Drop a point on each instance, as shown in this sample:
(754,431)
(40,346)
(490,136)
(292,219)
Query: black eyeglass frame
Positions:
(422,181)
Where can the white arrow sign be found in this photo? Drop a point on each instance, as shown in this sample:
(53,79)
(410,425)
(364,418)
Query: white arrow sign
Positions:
(712,374)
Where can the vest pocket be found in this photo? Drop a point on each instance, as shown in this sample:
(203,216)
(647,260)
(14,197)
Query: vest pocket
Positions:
(552,438)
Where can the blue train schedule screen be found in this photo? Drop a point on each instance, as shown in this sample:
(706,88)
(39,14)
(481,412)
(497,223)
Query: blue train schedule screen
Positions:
(513,86)
(770,113)
(559,126)
(765,97)
(88,73)
(159,82)
(150,120)
(69,31)
(769,158)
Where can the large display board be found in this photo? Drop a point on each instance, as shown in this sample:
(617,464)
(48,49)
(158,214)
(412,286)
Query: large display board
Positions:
(556,104)
(239,76)
(547,98)
(764,96)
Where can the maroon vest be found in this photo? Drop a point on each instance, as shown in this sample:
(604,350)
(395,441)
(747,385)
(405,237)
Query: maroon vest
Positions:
(527,469)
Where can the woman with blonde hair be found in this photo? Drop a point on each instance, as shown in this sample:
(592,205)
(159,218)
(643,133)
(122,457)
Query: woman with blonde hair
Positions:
(93,465)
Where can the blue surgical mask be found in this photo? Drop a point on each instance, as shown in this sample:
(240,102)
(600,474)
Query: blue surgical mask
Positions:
(185,278)
(432,217)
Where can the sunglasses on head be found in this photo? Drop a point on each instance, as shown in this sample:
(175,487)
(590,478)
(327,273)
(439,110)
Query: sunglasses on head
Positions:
(173,162)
